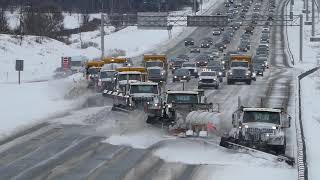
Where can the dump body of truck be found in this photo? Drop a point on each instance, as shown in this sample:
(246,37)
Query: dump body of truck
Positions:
(117,60)
(241,57)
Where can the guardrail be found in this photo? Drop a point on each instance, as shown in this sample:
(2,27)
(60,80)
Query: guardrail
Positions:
(301,152)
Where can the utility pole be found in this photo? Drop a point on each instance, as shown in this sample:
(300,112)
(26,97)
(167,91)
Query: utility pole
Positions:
(195,7)
(312,16)
(102,33)
(307,10)
(301,37)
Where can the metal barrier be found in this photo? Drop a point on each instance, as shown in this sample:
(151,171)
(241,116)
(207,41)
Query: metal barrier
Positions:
(301,154)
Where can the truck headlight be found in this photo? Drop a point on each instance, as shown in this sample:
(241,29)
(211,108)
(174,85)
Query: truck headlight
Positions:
(184,76)
(169,105)
(155,104)
(246,126)
(175,76)
(274,127)
(220,73)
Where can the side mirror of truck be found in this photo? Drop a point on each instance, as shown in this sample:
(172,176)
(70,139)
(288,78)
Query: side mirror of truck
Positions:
(287,122)
(234,120)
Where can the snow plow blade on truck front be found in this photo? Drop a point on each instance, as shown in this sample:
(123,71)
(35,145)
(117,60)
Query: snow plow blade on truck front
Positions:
(259,130)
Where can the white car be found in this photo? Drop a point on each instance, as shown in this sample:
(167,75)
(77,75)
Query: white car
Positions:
(208,78)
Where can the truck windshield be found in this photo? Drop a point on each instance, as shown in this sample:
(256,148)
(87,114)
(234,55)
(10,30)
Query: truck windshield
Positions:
(182,98)
(144,89)
(261,116)
(181,72)
(106,74)
(239,64)
(122,77)
(75,63)
(188,65)
(209,73)
(154,64)
(153,72)
(93,71)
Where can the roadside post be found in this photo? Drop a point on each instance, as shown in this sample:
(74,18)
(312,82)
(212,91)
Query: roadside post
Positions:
(19,68)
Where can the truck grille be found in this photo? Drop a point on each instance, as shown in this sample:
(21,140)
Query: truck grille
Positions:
(239,72)
(207,80)
(255,133)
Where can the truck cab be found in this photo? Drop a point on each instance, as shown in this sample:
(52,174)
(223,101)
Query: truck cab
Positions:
(156,74)
(192,68)
(147,96)
(261,128)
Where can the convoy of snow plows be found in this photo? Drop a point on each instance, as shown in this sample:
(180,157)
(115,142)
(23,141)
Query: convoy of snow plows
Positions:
(188,113)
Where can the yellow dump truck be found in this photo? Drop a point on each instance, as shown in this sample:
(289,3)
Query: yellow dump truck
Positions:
(117,60)
(243,60)
(157,66)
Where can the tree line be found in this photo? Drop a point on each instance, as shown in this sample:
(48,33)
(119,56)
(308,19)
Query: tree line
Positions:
(44,17)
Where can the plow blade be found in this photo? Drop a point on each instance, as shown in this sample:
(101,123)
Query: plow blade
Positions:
(255,152)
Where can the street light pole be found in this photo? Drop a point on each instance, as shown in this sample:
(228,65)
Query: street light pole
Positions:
(312,16)
(102,33)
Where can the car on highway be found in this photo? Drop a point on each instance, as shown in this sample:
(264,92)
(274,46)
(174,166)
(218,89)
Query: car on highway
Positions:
(216,32)
(192,68)
(202,60)
(208,78)
(194,49)
(188,42)
(220,46)
(220,71)
(263,61)
(258,69)
(242,47)
(176,64)
(249,30)
(181,75)
(205,44)
(246,43)
(209,40)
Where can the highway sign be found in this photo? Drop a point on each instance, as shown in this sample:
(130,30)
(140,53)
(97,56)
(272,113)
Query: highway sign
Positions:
(65,62)
(19,65)
(154,20)
(205,21)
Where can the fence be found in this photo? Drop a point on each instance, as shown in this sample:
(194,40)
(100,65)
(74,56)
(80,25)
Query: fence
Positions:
(301,154)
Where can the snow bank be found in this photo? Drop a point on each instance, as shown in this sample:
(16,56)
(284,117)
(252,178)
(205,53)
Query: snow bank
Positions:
(41,57)
(29,103)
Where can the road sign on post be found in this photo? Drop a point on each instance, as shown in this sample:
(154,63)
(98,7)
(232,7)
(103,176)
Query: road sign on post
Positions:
(205,21)
(19,68)
(152,20)
(65,63)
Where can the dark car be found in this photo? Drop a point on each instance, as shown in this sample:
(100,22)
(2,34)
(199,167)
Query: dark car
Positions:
(194,49)
(177,64)
(202,60)
(258,69)
(181,74)
(189,42)
(205,44)
(249,30)
(220,46)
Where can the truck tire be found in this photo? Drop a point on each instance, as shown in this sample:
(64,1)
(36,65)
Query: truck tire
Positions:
(248,82)
(229,82)
(216,87)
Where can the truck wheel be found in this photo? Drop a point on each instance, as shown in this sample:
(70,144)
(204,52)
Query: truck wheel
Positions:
(229,82)
(150,120)
(173,80)
(216,87)
(223,142)
(249,82)
(199,87)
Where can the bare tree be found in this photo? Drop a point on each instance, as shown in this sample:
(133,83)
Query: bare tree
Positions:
(4,26)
